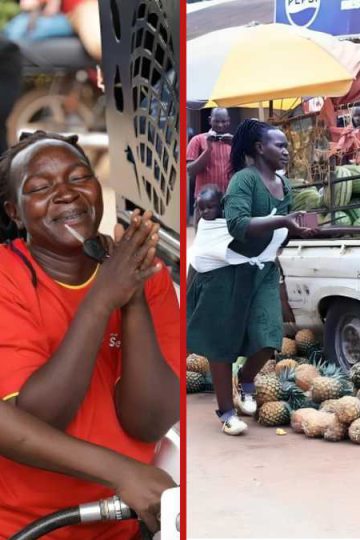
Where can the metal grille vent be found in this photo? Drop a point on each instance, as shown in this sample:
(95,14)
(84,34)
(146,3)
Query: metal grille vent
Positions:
(118,91)
(115,19)
(155,97)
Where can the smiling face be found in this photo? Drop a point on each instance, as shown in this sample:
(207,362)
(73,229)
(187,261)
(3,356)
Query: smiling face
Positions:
(53,185)
(274,149)
(220,121)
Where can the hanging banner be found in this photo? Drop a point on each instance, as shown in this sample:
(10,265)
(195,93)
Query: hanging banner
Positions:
(337,17)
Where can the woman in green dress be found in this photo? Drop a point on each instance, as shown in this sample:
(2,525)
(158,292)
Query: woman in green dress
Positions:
(236,310)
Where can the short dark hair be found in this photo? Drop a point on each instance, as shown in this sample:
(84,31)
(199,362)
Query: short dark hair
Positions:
(8,229)
(218,109)
(248,133)
(211,189)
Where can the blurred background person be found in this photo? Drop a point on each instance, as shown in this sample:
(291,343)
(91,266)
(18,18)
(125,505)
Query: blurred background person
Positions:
(10,84)
(85,19)
(42,19)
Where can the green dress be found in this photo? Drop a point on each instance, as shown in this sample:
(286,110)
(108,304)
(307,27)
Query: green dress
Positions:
(236,310)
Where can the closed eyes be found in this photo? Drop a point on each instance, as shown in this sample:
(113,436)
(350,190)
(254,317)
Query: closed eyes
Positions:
(37,189)
(81,178)
(41,187)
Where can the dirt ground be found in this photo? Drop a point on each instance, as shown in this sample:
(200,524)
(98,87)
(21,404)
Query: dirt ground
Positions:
(261,485)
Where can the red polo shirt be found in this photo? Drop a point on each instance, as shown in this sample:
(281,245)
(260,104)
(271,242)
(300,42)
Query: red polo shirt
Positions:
(217,169)
(33,321)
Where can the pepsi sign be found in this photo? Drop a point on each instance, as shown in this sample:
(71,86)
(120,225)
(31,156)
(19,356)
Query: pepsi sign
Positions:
(337,17)
(302,12)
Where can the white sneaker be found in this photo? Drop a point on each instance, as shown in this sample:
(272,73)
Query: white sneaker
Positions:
(247,403)
(234,426)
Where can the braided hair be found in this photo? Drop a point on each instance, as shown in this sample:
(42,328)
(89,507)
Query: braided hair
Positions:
(8,229)
(248,133)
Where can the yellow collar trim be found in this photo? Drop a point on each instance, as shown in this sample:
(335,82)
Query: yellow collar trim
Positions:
(91,278)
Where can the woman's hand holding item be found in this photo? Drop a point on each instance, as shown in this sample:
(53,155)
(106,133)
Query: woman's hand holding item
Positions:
(295,230)
(140,487)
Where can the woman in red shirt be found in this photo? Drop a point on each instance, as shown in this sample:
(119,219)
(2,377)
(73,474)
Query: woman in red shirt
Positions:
(90,349)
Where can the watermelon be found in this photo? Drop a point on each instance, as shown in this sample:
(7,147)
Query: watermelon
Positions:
(354,213)
(341,218)
(355,171)
(306,199)
(342,190)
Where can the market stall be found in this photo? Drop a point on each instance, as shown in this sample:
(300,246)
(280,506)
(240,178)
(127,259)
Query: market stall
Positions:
(276,62)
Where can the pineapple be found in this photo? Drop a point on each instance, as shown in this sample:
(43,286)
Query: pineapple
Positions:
(336,430)
(305,341)
(302,360)
(315,424)
(292,393)
(197,363)
(277,388)
(286,363)
(329,405)
(355,375)
(324,388)
(354,431)
(194,382)
(274,413)
(268,368)
(333,384)
(298,417)
(288,347)
(347,409)
(268,388)
(305,374)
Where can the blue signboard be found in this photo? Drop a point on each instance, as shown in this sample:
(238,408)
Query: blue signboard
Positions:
(336,17)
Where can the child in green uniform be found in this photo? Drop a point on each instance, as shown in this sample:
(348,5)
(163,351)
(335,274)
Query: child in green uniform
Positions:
(235,309)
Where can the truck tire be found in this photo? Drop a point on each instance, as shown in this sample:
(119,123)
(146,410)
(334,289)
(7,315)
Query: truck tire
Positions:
(342,333)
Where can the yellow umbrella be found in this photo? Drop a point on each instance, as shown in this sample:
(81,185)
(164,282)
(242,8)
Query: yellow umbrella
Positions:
(242,65)
(278,104)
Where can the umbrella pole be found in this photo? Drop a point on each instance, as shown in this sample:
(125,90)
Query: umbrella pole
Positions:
(271,109)
(261,113)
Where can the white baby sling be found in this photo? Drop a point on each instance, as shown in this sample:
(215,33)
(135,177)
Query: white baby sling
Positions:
(211,251)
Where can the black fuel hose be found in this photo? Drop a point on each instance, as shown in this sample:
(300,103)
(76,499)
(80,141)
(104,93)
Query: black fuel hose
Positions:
(62,518)
(108,509)
(42,526)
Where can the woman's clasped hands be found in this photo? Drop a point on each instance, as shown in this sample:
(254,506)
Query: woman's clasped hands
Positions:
(131,262)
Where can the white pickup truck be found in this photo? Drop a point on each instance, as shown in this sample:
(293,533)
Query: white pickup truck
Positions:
(322,279)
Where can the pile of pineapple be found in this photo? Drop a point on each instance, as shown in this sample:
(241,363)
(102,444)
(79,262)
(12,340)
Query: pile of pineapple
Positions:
(197,374)
(300,389)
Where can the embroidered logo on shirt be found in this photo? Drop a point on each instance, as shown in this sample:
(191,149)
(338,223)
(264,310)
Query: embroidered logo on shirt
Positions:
(114,341)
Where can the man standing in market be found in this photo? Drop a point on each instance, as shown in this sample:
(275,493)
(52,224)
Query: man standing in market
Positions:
(208,153)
